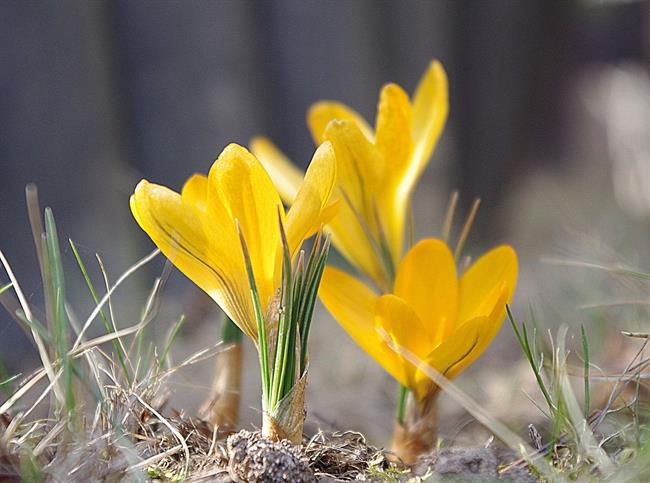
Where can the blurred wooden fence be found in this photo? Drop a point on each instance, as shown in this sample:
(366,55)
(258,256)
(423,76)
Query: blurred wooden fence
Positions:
(96,94)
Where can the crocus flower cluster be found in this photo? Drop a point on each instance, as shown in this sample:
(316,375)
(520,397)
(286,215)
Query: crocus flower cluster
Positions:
(229,233)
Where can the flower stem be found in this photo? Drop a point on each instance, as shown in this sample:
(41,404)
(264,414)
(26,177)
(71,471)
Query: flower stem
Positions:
(402,397)
(230,332)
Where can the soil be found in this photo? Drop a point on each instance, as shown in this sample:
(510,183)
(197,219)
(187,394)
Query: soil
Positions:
(334,457)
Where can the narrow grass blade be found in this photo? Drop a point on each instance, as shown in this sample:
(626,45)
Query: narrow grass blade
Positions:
(460,244)
(38,233)
(6,287)
(312,285)
(585,357)
(528,350)
(259,318)
(35,326)
(42,349)
(449,216)
(148,313)
(6,384)
(170,340)
(117,348)
(61,323)
(30,469)
(139,264)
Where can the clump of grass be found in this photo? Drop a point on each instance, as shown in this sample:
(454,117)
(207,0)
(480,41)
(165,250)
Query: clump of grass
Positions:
(94,408)
(607,442)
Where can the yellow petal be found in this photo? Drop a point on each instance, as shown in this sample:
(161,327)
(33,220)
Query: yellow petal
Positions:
(175,227)
(359,172)
(487,327)
(448,357)
(321,113)
(481,284)
(426,280)
(352,241)
(404,327)
(353,304)
(240,189)
(326,216)
(359,166)
(195,191)
(286,177)
(430,109)
(395,145)
(394,128)
(313,196)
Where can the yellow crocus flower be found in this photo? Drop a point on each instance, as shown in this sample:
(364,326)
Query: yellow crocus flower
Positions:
(377,169)
(445,321)
(199,229)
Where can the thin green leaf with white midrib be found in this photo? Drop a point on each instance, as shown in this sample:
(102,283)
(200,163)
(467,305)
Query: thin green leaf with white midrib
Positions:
(109,328)
(283,359)
(57,297)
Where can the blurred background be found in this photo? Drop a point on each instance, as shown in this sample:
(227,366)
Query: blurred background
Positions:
(549,125)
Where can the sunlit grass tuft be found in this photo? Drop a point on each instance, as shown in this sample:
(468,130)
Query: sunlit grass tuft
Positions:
(93,408)
(580,437)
